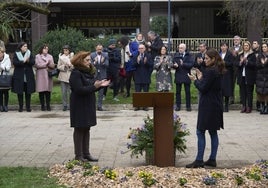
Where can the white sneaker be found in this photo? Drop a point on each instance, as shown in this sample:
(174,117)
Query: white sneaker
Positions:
(116,99)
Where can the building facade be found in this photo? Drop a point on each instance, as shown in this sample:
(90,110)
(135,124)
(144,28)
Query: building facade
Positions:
(94,18)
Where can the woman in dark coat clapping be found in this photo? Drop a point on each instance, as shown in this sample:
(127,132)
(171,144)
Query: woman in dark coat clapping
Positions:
(83,103)
(227,81)
(246,76)
(262,79)
(23,76)
(210,108)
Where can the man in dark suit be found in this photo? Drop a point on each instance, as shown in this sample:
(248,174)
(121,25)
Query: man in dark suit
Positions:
(101,61)
(183,62)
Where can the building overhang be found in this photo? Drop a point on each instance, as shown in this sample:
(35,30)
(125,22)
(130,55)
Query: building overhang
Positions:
(118,1)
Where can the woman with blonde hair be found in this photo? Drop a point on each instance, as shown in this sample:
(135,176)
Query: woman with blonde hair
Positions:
(246,76)
(83,103)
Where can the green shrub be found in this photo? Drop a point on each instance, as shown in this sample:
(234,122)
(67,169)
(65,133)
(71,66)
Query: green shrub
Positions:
(159,24)
(55,39)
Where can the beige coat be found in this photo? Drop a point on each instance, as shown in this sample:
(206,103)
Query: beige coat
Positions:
(65,67)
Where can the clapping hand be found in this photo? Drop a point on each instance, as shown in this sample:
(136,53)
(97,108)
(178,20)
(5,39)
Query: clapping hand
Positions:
(102,83)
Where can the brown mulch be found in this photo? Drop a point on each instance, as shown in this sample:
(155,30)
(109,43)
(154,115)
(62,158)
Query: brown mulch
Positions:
(128,177)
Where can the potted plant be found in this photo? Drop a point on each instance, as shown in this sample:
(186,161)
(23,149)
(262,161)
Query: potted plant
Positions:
(142,138)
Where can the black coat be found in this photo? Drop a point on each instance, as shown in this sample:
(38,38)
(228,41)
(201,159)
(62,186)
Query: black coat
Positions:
(21,69)
(227,81)
(143,70)
(210,107)
(262,76)
(82,99)
(250,69)
(182,70)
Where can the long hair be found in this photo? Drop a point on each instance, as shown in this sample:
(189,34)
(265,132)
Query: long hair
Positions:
(42,47)
(78,58)
(218,61)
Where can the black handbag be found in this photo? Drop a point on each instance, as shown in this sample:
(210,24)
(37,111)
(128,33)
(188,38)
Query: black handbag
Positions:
(5,81)
(53,72)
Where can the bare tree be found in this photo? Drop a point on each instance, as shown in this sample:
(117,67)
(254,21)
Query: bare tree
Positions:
(248,17)
(17,11)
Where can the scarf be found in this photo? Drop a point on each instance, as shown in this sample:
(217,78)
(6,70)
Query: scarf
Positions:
(24,57)
(89,70)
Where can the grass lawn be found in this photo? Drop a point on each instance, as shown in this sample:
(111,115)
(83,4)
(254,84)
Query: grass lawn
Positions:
(56,94)
(26,177)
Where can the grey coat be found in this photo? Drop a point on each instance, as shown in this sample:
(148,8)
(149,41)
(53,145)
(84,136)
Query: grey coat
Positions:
(101,65)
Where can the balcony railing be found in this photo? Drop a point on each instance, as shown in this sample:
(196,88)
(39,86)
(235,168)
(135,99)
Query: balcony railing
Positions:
(193,43)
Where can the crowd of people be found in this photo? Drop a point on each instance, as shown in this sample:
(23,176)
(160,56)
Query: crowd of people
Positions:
(124,61)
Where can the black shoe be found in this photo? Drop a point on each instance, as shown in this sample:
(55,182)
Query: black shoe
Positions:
(189,109)
(43,108)
(127,95)
(177,108)
(20,110)
(136,108)
(64,108)
(1,108)
(28,109)
(81,159)
(48,108)
(5,108)
(211,163)
(90,158)
(100,109)
(145,108)
(196,164)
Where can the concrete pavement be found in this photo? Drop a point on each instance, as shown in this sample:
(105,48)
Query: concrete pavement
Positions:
(45,138)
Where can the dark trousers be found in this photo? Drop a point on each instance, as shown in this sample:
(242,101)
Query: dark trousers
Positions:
(187,95)
(246,92)
(44,98)
(4,96)
(129,77)
(141,87)
(81,138)
(114,77)
(27,98)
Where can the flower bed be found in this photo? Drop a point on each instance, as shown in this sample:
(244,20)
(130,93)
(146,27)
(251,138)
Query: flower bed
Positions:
(75,174)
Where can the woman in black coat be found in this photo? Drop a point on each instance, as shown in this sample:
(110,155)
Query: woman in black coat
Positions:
(262,79)
(227,81)
(83,103)
(210,108)
(246,76)
(23,77)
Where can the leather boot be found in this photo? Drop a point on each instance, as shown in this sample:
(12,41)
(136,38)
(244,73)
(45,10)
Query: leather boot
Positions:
(248,110)
(20,99)
(28,102)
(243,110)
(78,139)
(47,94)
(85,147)
(265,109)
(42,101)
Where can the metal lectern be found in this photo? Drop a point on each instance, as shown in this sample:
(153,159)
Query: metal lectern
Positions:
(162,102)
